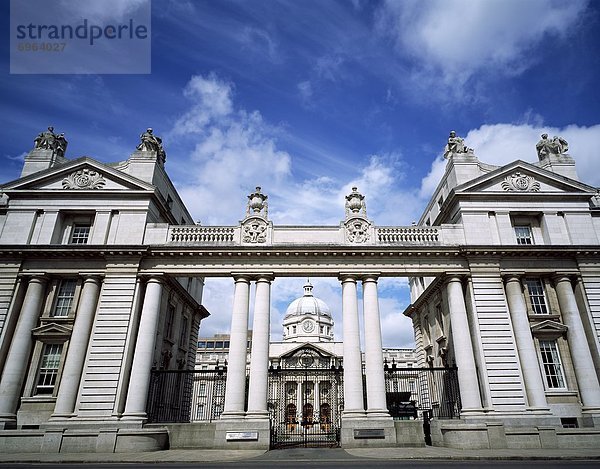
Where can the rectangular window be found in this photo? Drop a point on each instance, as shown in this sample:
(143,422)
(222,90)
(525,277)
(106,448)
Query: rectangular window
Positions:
(219,344)
(535,289)
(552,365)
(200,412)
(64,298)
(183,334)
(523,234)
(80,234)
(569,422)
(169,321)
(425,327)
(439,316)
(48,371)
(202,389)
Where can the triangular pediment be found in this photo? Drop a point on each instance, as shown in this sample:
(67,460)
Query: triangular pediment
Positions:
(80,174)
(307,347)
(521,177)
(52,330)
(549,329)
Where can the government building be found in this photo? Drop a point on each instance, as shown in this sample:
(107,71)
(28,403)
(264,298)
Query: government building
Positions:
(102,271)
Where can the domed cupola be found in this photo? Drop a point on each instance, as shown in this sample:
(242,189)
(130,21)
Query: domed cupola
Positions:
(308,319)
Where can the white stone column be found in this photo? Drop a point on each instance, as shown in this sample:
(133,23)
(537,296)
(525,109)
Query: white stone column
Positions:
(139,381)
(587,380)
(463,347)
(259,356)
(353,384)
(19,353)
(534,385)
(376,402)
(78,344)
(235,387)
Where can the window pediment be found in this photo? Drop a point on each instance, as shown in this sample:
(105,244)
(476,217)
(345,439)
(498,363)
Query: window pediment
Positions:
(549,329)
(48,332)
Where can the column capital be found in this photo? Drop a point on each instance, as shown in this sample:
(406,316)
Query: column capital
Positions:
(563,277)
(241,277)
(453,278)
(513,277)
(265,277)
(40,277)
(154,278)
(348,277)
(371,277)
(95,277)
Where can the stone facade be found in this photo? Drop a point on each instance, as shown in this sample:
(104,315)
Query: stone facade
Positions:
(101,274)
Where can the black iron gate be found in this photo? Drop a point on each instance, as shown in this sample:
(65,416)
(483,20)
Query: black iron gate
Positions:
(305,404)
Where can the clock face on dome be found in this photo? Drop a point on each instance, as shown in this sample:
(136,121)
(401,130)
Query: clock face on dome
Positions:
(308,326)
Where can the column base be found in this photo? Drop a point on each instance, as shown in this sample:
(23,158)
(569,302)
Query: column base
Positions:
(353,414)
(64,416)
(591,416)
(467,413)
(257,414)
(139,416)
(539,410)
(377,413)
(233,415)
(368,432)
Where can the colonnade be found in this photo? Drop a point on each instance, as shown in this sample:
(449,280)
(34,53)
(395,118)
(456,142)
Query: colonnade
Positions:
(17,361)
(259,358)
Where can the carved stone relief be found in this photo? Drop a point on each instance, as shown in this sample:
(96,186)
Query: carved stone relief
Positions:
(84,179)
(254,231)
(520,183)
(357,231)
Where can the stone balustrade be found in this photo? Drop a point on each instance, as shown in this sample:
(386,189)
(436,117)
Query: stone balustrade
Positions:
(391,235)
(408,235)
(201,234)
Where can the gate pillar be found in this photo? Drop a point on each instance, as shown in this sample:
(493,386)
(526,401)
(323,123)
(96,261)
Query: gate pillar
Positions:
(376,402)
(259,357)
(353,385)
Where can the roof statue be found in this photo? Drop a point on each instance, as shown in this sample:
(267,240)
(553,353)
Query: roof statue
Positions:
(546,147)
(455,145)
(48,140)
(150,142)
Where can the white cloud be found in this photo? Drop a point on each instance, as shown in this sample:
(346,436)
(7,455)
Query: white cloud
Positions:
(396,329)
(500,144)
(104,10)
(236,150)
(260,42)
(457,38)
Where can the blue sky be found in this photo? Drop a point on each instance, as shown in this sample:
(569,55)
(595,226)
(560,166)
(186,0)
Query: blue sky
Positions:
(309,98)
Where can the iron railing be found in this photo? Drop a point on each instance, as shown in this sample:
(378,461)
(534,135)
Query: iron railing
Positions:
(411,392)
(186,395)
(199,395)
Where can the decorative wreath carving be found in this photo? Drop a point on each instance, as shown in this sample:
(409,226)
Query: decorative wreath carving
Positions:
(84,179)
(520,183)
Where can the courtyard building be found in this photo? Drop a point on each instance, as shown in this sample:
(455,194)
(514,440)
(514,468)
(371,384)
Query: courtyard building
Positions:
(102,270)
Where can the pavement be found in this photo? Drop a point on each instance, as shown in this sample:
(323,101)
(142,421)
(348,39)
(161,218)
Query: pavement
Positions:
(298,454)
